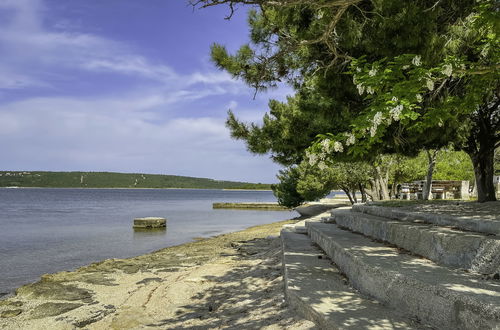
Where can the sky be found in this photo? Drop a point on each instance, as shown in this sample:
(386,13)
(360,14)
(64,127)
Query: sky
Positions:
(124,86)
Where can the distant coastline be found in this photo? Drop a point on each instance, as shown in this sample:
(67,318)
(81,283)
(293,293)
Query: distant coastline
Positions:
(113,180)
(137,188)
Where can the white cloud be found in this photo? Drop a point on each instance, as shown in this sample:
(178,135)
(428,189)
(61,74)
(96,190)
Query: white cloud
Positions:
(128,131)
(27,43)
(110,134)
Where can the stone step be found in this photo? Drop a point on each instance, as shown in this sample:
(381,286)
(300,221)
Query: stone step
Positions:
(475,252)
(300,226)
(438,296)
(316,289)
(477,223)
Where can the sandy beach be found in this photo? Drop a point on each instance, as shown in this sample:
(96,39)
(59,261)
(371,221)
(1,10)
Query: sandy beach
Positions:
(228,281)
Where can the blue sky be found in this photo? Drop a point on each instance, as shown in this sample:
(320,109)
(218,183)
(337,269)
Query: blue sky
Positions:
(123,85)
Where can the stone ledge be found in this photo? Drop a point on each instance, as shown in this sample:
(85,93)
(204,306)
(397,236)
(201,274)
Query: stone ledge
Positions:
(317,290)
(440,297)
(462,222)
(468,250)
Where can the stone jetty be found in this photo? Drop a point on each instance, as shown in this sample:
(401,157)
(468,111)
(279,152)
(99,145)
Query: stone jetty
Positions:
(264,206)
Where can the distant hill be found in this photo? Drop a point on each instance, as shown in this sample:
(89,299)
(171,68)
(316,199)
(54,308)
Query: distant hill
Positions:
(115,180)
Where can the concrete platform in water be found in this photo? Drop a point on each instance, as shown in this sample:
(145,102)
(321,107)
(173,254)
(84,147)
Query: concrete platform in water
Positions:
(150,222)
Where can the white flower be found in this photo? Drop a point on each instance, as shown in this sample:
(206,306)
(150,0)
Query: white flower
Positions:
(419,98)
(395,99)
(351,139)
(447,70)
(326,144)
(377,119)
(361,89)
(404,67)
(358,69)
(430,84)
(396,112)
(338,147)
(370,90)
(417,60)
(313,159)
(322,165)
(372,72)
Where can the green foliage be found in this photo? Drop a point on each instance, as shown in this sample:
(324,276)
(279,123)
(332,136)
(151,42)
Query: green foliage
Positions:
(289,127)
(286,190)
(115,180)
(315,182)
(450,165)
(289,42)
(379,76)
(453,165)
(408,169)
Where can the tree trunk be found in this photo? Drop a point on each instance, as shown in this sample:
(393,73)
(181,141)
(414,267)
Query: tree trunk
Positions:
(393,189)
(369,193)
(431,157)
(381,182)
(484,171)
(346,190)
(483,138)
(374,191)
(363,193)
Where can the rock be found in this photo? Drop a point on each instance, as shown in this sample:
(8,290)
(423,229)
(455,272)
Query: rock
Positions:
(11,313)
(52,309)
(147,280)
(54,290)
(92,318)
(150,222)
(11,303)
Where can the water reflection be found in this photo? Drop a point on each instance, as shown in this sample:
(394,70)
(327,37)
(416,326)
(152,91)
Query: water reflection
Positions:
(140,233)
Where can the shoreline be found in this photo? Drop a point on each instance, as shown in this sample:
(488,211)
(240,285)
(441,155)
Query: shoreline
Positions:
(134,188)
(101,294)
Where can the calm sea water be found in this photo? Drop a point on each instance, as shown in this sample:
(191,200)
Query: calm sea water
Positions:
(49,230)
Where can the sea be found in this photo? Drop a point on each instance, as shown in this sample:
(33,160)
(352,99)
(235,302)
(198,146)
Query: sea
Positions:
(50,230)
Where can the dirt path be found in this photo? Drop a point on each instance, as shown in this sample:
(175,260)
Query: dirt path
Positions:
(232,281)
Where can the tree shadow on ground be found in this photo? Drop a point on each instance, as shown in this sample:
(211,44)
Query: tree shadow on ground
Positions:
(249,296)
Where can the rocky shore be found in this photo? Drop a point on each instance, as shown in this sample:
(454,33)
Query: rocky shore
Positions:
(232,280)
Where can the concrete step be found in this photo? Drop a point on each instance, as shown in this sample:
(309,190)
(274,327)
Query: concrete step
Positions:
(468,250)
(316,289)
(300,226)
(441,297)
(477,224)
(315,208)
